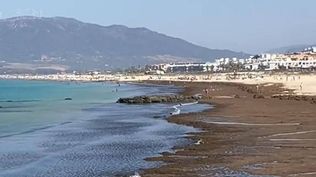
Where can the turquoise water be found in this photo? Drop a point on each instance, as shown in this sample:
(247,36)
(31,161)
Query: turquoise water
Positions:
(42,134)
(27,105)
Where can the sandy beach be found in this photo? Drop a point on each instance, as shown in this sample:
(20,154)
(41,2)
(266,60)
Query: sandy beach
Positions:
(249,132)
(261,124)
(300,83)
(140,88)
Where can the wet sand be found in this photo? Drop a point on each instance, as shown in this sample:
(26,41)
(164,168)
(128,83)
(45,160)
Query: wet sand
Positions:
(250,131)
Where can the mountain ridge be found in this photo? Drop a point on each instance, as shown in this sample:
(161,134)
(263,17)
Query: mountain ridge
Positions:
(84,46)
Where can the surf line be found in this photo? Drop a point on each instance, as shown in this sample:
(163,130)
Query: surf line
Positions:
(292,139)
(303,174)
(177,110)
(252,124)
(293,133)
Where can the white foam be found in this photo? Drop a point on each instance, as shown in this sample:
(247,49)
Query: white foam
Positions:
(135,175)
(177,111)
(199,142)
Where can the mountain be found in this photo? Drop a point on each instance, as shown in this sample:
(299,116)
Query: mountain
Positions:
(54,43)
(290,49)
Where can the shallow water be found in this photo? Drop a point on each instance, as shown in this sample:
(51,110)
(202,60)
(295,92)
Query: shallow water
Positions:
(87,136)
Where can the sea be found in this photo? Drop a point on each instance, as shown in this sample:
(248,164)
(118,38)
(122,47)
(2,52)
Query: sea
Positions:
(76,129)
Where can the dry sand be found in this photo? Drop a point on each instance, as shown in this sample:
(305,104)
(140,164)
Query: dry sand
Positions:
(302,84)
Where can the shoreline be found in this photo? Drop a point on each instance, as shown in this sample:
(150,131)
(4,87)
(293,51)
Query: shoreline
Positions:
(238,141)
(151,88)
(158,110)
(248,132)
(301,83)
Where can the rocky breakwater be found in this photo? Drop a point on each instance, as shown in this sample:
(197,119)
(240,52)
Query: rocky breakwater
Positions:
(159,99)
(311,99)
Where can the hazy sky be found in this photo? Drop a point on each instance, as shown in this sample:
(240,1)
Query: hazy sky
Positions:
(241,25)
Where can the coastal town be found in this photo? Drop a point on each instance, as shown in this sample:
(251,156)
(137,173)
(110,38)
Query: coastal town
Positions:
(294,70)
(295,61)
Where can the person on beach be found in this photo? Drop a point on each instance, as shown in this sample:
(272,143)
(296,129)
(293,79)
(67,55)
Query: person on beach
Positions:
(301,86)
(206,91)
(257,88)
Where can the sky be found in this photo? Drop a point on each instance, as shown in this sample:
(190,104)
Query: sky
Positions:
(251,26)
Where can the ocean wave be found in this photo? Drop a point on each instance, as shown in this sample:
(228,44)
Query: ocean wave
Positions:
(177,109)
(18,101)
(15,111)
(34,130)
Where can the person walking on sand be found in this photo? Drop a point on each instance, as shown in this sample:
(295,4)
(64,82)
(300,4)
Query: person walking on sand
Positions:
(301,86)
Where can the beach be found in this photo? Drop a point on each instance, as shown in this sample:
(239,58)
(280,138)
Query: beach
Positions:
(301,83)
(162,88)
(260,124)
(244,135)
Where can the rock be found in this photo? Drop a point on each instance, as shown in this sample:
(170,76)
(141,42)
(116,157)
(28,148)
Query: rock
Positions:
(295,97)
(159,116)
(275,96)
(159,99)
(147,100)
(258,96)
(305,98)
(156,99)
(236,96)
